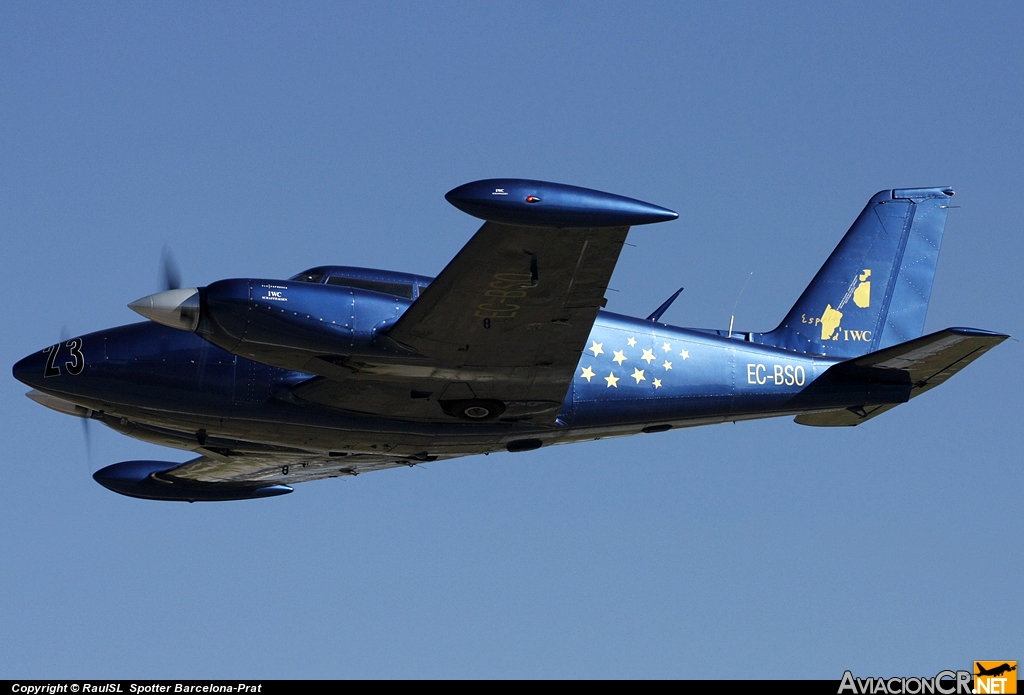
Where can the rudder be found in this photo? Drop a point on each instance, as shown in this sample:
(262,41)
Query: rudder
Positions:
(873,291)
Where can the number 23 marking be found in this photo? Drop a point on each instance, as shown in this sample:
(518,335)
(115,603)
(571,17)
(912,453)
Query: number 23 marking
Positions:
(74,366)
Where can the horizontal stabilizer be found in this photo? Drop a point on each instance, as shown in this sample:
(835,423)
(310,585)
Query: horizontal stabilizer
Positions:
(918,365)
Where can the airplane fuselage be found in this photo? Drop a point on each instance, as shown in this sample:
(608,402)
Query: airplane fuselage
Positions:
(171,387)
(342,370)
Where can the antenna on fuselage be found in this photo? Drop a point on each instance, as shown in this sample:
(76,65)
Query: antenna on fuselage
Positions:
(656,316)
(733,317)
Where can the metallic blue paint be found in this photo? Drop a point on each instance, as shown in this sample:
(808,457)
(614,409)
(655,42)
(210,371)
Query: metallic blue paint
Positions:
(253,319)
(657,313)
(245,389)
(543,204)
(894,248)
(143,479)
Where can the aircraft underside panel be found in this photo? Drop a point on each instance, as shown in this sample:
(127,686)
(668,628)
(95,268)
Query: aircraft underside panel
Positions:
(281,469)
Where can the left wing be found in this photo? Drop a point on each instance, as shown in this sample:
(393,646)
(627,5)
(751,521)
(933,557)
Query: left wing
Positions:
(278,469)
(236,477)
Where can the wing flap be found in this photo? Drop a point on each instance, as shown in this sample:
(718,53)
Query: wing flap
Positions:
(250,469)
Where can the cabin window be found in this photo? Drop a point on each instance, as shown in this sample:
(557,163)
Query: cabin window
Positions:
(315,278)
(397,289)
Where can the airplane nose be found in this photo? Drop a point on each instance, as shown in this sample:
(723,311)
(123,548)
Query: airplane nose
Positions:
(30,370)
(175,308)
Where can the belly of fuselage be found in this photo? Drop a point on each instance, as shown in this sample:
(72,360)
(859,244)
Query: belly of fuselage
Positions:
(174,388)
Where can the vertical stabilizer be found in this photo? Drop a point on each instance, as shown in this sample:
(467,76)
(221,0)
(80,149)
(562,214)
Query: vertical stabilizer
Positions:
(873,290)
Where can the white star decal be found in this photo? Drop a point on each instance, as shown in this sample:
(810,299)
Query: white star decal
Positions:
(612,380)
(666,347)
(638,374)
(685,355)
(619,357)
(648,356)
(596,348)
(631,342)
(587,374)
(657,383)
(667,365)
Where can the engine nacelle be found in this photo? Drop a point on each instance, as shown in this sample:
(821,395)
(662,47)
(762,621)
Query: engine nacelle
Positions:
(280,322)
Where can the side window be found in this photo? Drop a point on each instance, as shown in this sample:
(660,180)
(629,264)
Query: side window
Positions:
(396,289)
(314,278)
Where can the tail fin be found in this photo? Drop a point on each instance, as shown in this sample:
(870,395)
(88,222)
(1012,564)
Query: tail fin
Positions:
(873,290)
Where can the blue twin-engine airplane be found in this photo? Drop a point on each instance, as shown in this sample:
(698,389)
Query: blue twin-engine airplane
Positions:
(342,370)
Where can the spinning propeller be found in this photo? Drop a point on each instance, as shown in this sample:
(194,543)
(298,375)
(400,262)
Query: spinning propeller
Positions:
(65,336)
(175,307)
(169,269)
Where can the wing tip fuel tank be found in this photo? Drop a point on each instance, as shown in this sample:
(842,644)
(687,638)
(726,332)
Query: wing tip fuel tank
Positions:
(142,479)
(544,204)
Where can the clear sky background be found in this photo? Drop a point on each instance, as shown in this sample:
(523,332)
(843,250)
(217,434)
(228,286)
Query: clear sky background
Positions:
(259,139)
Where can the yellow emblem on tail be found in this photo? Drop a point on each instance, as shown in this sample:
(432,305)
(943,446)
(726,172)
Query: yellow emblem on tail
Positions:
(830,322)
(862,295)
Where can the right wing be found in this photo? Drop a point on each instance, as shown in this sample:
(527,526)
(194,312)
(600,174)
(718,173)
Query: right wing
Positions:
(515,306)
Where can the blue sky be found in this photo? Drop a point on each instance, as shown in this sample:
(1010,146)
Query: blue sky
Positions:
(261,139)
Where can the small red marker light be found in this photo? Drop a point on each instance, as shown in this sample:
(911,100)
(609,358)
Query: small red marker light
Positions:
(532,199)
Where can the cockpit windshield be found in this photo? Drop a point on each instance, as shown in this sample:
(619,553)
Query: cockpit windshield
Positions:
(401,285)
(397,289)
(307,276)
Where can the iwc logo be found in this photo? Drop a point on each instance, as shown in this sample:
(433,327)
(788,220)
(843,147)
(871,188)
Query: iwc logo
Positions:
(831,319)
